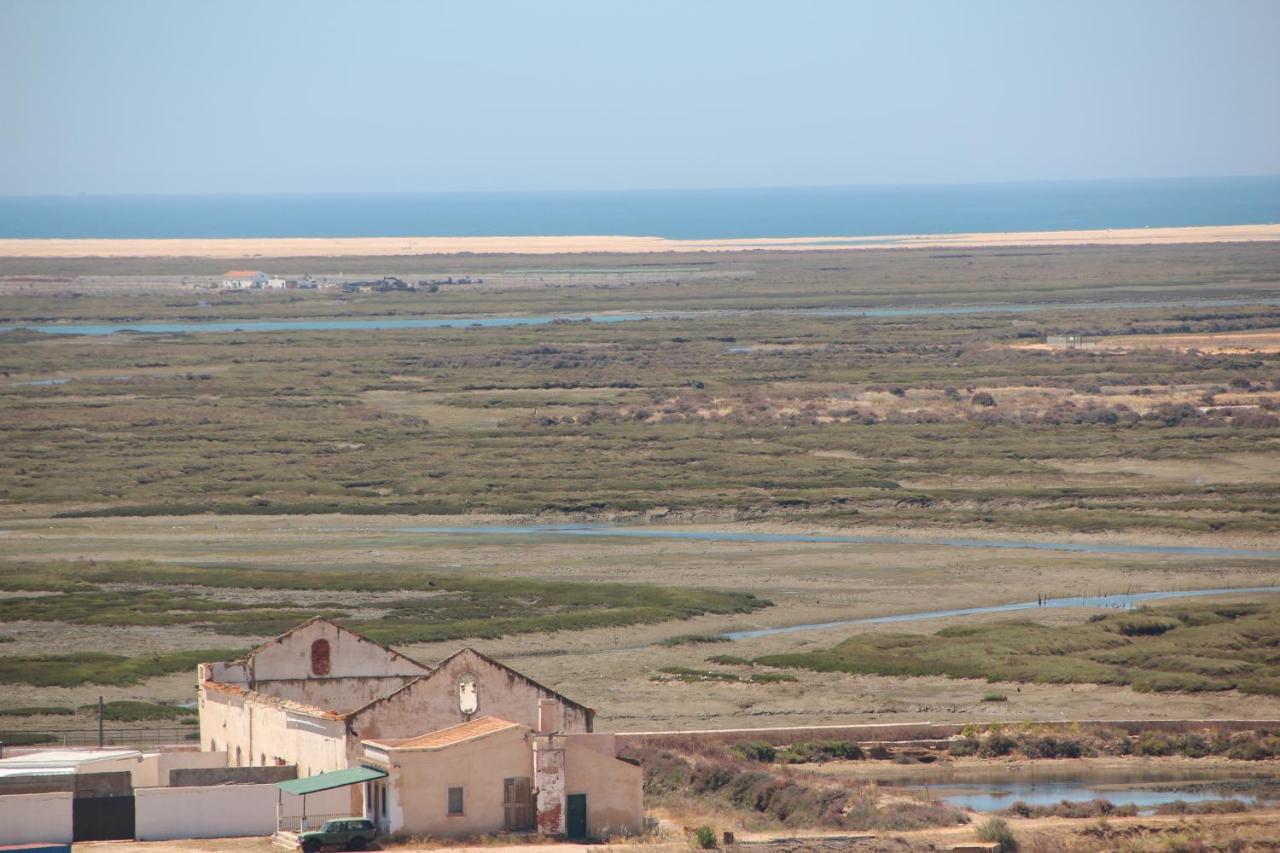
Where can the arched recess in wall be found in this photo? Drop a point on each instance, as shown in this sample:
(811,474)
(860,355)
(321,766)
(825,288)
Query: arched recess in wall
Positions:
(320,657)
(468,694)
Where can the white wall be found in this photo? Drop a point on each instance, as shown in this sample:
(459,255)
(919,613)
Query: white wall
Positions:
(35,817)
(215,811)
(222,811)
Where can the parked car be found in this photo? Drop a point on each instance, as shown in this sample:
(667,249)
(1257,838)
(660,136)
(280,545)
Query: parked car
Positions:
(343,833)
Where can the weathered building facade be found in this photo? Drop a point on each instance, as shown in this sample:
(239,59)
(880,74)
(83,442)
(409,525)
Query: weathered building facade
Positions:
(325,698)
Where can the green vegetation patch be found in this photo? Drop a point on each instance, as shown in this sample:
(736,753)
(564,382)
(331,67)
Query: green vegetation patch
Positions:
(694,639)
(99,668)
(687,674)
(1206,647)
(448,607)
(130,711)
(38,711)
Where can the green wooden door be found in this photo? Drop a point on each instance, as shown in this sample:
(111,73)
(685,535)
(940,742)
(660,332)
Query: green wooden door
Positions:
(576,819)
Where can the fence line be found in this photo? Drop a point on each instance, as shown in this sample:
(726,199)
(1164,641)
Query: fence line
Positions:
(155,736)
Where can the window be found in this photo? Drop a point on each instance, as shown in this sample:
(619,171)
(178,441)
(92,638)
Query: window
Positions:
(468,694)
(320,657)
(455,801)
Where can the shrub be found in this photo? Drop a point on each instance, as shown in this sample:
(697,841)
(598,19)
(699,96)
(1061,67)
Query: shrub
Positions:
(997,745)
(29,738)
(879,752)
(982,398)
(996,830)
(965,746)
(757,751)
(1153,743)
(728,660)
(817,751)
(995,697)
(704,838)
(38,711)
(691,639)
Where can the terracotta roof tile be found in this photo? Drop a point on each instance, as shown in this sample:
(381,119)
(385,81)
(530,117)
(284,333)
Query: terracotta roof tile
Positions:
(452,735)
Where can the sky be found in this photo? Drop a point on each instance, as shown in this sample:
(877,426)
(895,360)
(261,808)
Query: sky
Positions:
(303,96)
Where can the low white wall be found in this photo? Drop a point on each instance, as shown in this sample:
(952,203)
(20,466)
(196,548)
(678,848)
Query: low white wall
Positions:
(35,817)
(216,811)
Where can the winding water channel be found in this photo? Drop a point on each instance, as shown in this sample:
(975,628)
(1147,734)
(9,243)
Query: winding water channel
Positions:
(612,531)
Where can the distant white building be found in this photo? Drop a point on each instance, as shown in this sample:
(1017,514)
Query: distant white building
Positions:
(244,279)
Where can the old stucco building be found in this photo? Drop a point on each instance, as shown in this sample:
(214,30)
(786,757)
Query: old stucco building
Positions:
(463,747)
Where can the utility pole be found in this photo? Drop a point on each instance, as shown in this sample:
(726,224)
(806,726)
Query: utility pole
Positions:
(101,712)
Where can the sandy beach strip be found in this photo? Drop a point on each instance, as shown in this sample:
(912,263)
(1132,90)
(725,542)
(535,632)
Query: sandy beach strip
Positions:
(337,247)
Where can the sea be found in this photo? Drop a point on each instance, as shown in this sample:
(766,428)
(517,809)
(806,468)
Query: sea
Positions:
(675,214)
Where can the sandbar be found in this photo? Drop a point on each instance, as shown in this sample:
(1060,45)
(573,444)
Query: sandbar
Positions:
(336,247)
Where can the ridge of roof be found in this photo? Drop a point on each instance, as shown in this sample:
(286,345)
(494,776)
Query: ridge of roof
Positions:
(591,712)
(361,637)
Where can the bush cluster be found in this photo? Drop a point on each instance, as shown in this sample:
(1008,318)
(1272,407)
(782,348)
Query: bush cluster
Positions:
(1247,746)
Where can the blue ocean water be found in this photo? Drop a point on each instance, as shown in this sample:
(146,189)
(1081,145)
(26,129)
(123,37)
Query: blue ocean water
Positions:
(676,214)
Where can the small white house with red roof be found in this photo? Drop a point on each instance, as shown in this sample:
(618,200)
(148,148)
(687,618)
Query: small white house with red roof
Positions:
(244,279)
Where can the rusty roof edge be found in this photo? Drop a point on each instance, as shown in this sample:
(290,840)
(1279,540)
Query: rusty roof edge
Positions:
(352,713)
(282,704)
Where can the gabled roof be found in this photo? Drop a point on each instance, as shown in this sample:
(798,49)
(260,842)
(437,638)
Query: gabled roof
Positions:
(589,712)
(314,619)
(451,736)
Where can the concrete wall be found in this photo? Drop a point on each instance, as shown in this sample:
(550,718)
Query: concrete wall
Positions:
(35,817)
(196,777)
(107,783)
(334,694)
(289,657)
(614,788)
(420,781)
(226,811)
(155,767)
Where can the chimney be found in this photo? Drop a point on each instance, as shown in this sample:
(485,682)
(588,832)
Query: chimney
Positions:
(548,716)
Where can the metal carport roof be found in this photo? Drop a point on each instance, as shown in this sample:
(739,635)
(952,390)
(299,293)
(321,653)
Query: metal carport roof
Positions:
(332,779)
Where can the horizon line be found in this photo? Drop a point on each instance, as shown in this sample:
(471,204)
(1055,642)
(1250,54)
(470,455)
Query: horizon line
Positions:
(638,190)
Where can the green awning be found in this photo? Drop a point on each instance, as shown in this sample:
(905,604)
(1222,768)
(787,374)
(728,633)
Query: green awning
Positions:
(332,779)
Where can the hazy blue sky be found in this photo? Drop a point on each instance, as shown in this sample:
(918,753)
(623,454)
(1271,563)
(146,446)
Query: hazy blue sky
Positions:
(312,96)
